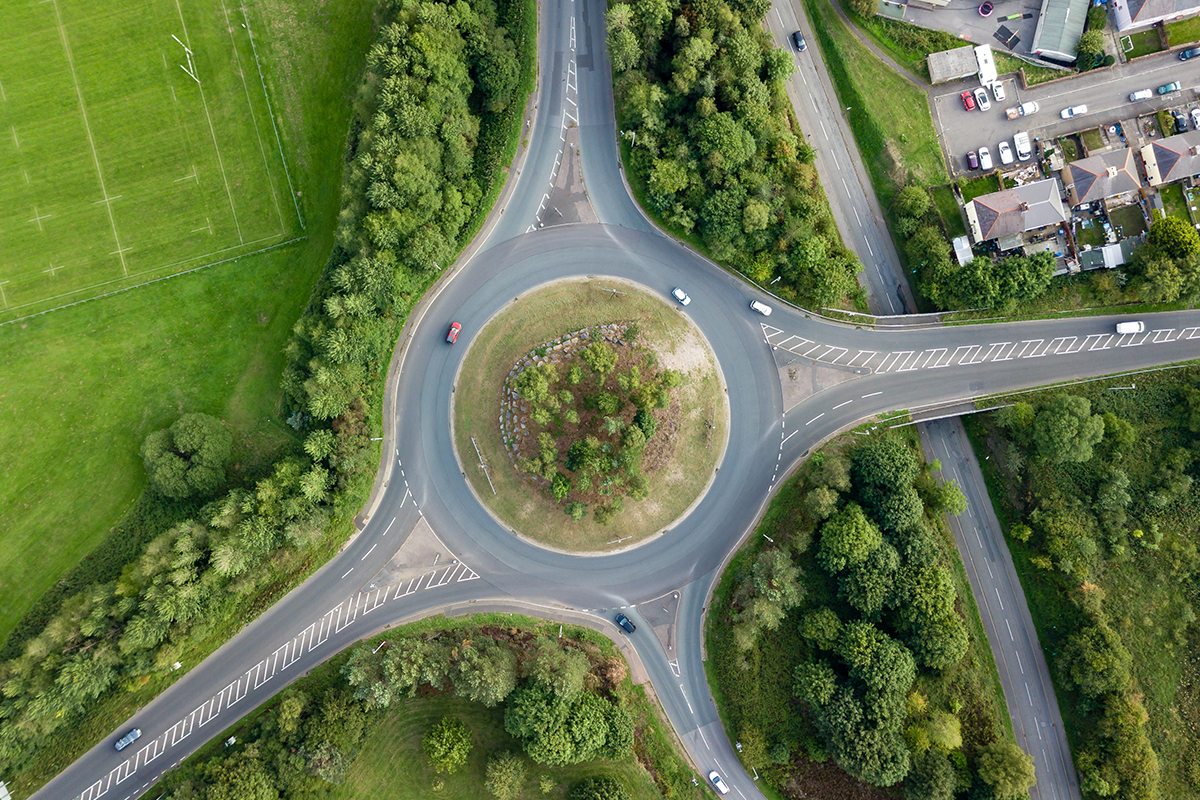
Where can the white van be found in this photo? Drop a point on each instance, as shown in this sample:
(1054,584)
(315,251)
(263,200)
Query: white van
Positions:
(761,308)
(1136,326)
(1140,94)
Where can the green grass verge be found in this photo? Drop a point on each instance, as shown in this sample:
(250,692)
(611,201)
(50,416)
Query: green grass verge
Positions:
(1006,64)
(1185,31)
(83,386)
(548,314)
(948,211)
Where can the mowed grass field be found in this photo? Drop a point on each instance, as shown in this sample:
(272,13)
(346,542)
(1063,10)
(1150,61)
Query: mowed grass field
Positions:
(127,155)
(82,386)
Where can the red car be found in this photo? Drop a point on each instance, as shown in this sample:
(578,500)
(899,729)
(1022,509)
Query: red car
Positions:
(968,101)
(452,336)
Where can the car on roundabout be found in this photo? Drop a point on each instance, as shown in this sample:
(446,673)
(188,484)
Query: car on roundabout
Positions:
(626,623)
(452,334)
(681,296)
(714,778)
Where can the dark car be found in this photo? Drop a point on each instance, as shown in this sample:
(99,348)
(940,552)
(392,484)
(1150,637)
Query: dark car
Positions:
(972,160)
(1167,88)
(1180,122)
(625,623)
(798,39)
(968,101)
(1191,52)
(452,335)
(128,739)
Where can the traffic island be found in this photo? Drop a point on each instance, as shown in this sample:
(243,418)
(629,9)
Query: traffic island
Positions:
(596,415)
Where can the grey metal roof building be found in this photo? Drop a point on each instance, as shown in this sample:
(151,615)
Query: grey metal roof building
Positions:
(1100,176)
(1172,159)
(1059,26)
(950,65)
(1016,210)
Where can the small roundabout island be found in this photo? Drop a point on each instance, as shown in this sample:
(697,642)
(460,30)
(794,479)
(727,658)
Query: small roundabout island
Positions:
(589,414)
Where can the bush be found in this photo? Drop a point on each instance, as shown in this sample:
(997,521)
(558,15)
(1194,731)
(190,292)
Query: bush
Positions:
(1097,18)
(604,788)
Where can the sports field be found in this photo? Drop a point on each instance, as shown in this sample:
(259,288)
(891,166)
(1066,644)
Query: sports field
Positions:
(139,144)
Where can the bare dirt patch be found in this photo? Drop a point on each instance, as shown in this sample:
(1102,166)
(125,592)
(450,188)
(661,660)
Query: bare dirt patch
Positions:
(680,459)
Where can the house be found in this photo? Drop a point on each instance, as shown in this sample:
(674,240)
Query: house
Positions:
(1100,176)
(1172,159)
(1140,13)
(1059,26)
(961,62)
(1012,212)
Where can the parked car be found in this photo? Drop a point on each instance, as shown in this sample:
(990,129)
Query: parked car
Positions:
(998,91)
(981,99)
(128,739)
(798,40)
(452,335)
(968,101)
(1167,88)
(714,777)
(1006,153)
(972,160)
(1074,111)
(1140,94)
(985,159)
(1021,143)
(761,308)
(1191,52)
(625,623)
(681,296)
(1196,118)
(1180,122)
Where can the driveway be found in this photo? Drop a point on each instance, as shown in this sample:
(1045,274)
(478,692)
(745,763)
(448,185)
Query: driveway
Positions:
(1104,92)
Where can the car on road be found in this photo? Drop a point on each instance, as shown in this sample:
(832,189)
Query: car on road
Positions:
(981,99)
(1167,88)
(1196,118)
(1180,122)
(452,334)
(1140,94)
(968,101)
(761,308)
(128,739)
(998,91)
(1021,143)
(1006,153)
(625,623)
(1191,52)
(681,296)
(1073,111)
(972,160)
(1136,326)
(798,40)
(985,158)
(714,778)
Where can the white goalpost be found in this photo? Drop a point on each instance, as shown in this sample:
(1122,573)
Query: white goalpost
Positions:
(190,69)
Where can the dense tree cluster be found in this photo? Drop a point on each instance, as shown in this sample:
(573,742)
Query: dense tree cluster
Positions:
(1167,267)
(592,427)
(700,95)
(187,458)
(1094,496)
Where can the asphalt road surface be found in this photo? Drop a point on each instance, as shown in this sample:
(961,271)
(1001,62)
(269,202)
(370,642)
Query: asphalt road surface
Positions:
(476,563)
(1105,92)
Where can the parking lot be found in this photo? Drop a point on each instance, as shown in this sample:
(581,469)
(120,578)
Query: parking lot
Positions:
(1104,92)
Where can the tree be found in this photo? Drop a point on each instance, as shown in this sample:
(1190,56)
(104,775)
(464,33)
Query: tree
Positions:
(931,778)
(911,201)
(1090,50)
(1065,430)
(447,744)
(602,788)
(559,669)
(1096,660)
(870,585)
(1020,279)
(485,672)
(189,457)
(599,358)
(1006,768)
(1173,237)
(865,9)
(881,466)
(505,775)
(847,539)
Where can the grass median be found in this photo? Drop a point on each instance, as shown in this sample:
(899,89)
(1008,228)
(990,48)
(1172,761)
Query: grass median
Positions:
(550,312)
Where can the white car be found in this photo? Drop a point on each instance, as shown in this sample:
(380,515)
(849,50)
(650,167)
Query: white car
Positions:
(981,99)
(1196,118)
(1006,153)
(718,784)
(681,296)
(985,159)
(1074,111)
(1021,143)
(998,91)
(761,308)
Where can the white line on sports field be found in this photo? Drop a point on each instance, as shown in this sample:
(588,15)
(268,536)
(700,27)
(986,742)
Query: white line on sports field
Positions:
(3,96)
(16,141)
(62,34)
(212,132)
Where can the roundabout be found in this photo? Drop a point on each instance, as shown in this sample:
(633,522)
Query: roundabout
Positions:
(498,444)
